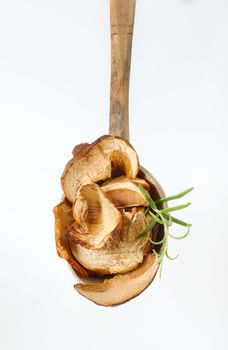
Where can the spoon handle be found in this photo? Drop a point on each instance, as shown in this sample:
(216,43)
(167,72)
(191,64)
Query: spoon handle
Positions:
(122,23)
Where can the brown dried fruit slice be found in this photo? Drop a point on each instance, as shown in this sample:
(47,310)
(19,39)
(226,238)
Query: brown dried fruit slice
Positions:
(123,252)
(96,218)
(124,193)
(64,218)
(94,162)
(121,288)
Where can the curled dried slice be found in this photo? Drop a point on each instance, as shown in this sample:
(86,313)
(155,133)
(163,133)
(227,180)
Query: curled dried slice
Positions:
(121,288)
(123,252)
(95,162)
(137,181)
(124,193)
(96,218)
(64,218)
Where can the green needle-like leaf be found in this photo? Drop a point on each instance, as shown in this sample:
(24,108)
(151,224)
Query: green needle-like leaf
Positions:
(177,221)
(181,237)
(147,229)
(177,207)
(147,211)
(170,257)
(168,217)
(156,243)
(155,217)
(148,198)
(157,254)
(161,268)
(171,198)
(164,218)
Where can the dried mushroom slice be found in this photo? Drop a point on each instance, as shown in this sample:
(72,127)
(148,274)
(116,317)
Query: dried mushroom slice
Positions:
(141,182)
(124,193)
(96,218)
(123,252)
(95,162)
(137,181)
(121,288)
(64,218)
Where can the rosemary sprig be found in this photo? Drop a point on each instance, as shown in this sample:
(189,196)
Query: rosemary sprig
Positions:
(163,217)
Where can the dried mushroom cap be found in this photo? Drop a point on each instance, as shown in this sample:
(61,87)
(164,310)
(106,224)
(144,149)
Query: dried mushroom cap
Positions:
(123,287)
(123,252)
(124,193)
(141,182)
(64,218)
(137,181)
(94,162)
(96,218)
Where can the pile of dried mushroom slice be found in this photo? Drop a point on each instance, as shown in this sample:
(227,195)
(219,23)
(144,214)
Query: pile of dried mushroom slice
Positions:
(98,223)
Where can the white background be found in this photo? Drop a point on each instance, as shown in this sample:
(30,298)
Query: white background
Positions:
(54,93)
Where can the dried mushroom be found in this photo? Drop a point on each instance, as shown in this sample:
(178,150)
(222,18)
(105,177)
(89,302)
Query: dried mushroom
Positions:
(96,218)
(123,252)
(137,181)
(123,287)
(99,223)
(64,218)
(124,193)
(95,162)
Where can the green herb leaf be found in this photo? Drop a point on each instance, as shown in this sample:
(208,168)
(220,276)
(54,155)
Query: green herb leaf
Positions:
(155,217)
(161,268)
(168,217)
(147,229)
(147,211)
(148,198)
(171,198)
(177,207)
(156,243)
(177,221)
(181,237)
(169,257)
(156,253)
(163,217)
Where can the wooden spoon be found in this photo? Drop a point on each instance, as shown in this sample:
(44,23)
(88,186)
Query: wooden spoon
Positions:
(119,288)
(123,287)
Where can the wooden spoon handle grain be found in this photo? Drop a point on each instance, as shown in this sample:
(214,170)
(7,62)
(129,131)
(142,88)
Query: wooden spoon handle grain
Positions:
(122,24)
